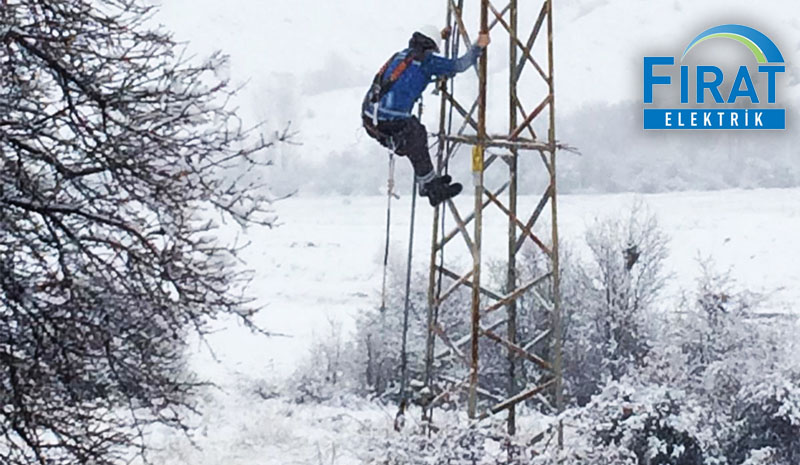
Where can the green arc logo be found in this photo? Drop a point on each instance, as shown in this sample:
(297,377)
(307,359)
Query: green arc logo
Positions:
(763,49)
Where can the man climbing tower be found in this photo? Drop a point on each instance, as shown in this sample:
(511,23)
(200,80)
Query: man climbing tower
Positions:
(386,111)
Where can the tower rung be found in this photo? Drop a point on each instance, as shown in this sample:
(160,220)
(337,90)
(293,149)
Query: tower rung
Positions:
(524,144)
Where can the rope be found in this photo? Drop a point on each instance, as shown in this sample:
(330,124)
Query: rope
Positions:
(407,303)
(404,350)
(389,195)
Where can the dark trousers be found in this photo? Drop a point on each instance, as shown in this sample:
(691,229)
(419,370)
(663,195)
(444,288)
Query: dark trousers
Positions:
(407,137)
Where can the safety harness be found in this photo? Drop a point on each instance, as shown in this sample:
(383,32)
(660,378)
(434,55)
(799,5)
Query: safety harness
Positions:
(384,82)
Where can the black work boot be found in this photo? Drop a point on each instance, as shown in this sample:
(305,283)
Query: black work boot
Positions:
(425,182)
(438,192)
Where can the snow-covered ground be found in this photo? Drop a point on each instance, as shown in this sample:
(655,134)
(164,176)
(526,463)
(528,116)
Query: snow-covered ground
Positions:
(248,430)
(324,263)
(303,63)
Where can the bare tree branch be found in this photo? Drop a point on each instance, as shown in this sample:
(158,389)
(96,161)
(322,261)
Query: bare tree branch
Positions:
(116,152)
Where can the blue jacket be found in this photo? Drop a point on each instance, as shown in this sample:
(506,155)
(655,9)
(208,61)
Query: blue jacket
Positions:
(399,101)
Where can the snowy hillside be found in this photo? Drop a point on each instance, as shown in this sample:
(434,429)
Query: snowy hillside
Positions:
(309,62)
(294,52)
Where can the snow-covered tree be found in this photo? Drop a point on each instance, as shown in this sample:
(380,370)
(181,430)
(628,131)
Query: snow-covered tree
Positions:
(608,300)
(115,150)
(740,365)
(711,382)
(718,379)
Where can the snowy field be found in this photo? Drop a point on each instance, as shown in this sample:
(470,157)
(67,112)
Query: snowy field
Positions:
(323,265)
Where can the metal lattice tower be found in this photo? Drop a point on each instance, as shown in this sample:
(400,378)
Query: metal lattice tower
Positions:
(530,65)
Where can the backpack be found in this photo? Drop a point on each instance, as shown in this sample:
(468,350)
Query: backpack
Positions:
(418,47)
(382,85)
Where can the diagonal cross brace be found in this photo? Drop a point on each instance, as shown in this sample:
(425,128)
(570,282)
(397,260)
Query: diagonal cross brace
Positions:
(536,212)
(516,349)
(547,100)
(449,236)
(532,39)
(468,283)
(525,50)
(466,338)
(521,397)
(515,294)
(525,228)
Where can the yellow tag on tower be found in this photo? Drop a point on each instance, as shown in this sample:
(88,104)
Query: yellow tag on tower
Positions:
(477,159)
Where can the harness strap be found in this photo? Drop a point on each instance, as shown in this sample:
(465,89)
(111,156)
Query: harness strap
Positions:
(401,68)
(380,85)
(386,65)
(373,131)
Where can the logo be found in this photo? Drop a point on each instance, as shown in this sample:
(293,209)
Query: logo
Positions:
(716,99)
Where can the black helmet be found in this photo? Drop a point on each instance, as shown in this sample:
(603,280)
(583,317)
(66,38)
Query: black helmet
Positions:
(423,43)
